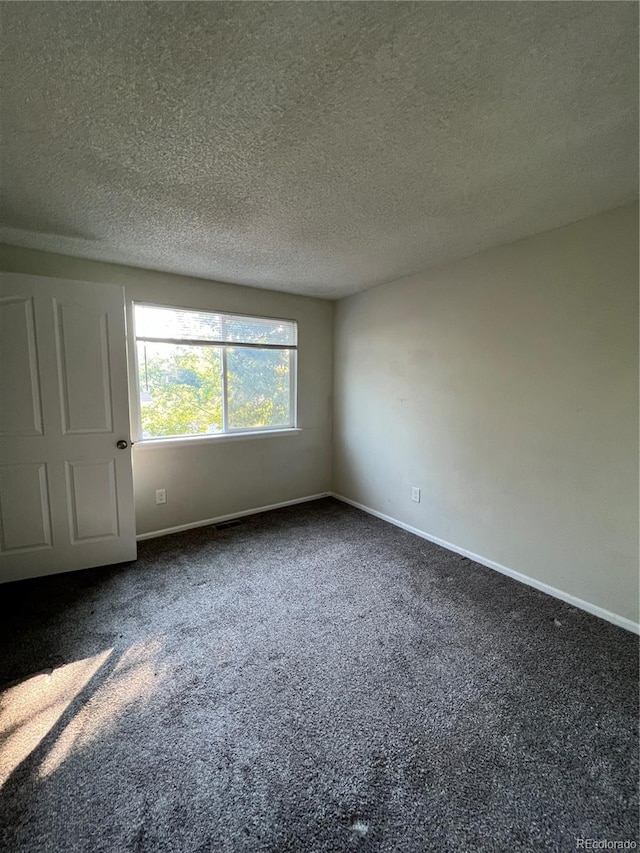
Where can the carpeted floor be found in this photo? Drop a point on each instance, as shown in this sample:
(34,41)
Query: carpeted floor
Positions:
(312,680)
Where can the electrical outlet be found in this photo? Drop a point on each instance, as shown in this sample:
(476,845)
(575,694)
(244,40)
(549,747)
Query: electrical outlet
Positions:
(161,496)
(415,494)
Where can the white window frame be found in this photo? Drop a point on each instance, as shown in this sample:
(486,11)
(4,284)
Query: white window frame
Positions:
(227,432)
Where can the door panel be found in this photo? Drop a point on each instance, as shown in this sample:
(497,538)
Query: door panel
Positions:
(24,507)
(66,491)
(93,501)
(20,405)
(82,344)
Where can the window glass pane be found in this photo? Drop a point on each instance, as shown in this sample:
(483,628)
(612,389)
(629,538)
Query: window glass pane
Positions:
(258,383)
(257,330)
(180,389)
(153,321)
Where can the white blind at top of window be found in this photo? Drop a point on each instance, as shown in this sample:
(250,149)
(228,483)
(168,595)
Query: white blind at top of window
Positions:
(180,324)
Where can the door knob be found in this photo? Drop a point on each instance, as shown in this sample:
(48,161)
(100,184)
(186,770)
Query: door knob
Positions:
(122,444)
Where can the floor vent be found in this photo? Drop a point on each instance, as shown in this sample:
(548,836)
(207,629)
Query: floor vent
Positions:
(225,525)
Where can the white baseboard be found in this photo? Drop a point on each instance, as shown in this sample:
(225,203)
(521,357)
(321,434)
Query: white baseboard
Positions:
(154,534)
(614,618)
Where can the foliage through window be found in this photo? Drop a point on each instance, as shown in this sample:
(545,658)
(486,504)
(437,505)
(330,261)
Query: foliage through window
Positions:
(202,373)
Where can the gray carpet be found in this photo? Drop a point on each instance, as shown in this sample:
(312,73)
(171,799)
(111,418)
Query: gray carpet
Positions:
(312,680)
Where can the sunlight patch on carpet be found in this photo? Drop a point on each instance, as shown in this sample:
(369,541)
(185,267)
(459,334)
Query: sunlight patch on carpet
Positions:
(133,680)
(29,710)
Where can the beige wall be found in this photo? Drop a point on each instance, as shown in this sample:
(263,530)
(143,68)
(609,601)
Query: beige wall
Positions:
(505,386)
(221,477)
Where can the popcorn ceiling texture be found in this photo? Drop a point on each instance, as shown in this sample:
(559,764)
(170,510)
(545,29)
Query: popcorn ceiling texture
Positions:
(318,148)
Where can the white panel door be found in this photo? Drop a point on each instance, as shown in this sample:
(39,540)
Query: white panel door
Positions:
(66,489)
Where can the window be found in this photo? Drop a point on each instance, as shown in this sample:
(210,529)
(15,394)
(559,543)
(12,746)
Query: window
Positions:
(202,373)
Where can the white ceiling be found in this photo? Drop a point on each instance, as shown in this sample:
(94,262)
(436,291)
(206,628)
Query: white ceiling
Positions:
(318,148)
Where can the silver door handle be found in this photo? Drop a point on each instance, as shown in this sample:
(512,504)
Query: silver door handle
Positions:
(122,444)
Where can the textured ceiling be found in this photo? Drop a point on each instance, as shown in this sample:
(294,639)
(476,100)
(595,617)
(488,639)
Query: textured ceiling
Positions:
(318,148)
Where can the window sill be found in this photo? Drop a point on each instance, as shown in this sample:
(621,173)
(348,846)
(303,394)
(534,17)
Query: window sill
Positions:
(196,440)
